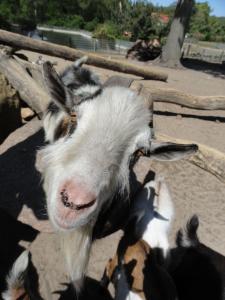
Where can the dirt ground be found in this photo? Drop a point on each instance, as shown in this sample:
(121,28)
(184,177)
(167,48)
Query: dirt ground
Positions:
(193,189)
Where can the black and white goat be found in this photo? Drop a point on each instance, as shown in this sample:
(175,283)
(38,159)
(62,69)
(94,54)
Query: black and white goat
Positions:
(135,270)
(93,132)
(145,268)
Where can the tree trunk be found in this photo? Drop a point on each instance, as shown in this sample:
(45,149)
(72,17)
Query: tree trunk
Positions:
(171,53)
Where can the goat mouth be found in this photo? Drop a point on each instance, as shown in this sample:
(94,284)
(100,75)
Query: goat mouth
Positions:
(73,206)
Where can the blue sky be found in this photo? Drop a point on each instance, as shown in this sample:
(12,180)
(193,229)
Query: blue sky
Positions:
(218,6)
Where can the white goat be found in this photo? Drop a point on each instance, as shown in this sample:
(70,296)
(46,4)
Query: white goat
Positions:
(93,133)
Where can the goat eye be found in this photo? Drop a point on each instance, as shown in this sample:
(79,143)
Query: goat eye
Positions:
(66,126)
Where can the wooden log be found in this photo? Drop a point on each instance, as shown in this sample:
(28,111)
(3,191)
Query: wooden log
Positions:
(26,86)
(26,43)
(207,158)
(35,71)
(10,118)
(170,95)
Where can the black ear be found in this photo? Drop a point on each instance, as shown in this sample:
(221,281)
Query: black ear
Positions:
(59,93)
(164,151)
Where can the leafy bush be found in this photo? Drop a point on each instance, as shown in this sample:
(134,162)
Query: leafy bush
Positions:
(107,31)
(4,24)
(74,21)
(143,25)
(92,25)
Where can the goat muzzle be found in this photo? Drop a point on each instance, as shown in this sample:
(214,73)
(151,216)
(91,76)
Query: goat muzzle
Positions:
(71,205)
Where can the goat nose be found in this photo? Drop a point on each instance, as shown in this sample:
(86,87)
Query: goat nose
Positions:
(76,197)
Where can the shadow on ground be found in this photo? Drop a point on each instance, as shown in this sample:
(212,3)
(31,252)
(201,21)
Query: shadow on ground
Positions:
(214,69)
(11,233)
(92,290)
(190,116)
(20,180)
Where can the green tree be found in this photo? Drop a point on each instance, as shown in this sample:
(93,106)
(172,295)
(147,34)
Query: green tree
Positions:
(107,30)
(199,24)
(217,29)
(141,23)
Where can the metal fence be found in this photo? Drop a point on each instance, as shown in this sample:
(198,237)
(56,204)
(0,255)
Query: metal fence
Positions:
(81,39)
(209,54)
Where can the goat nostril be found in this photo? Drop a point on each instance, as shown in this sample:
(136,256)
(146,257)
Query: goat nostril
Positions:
(82,206)
(71,205)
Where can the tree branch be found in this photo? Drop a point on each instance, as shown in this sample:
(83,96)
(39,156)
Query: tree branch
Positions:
(170,95)
(29,91)
(26,43)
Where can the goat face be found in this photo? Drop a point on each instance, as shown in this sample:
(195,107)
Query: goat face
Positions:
(86,165)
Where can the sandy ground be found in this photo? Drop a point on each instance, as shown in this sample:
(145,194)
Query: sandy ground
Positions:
(193,190)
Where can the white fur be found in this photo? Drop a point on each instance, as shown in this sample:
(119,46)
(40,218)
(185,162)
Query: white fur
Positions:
(154,208)
(108,131)
(15,279)
(76,246)
(110,128)
(156,212)
(133,296)
(87,90)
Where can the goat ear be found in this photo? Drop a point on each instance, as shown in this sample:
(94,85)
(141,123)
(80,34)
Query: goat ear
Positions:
(164,151)
(57,90)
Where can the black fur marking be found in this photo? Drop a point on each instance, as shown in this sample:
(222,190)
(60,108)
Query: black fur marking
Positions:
(195,273)
(54,84)
(74,78)
(158,283)
(190,234)
(175,148)
(90,97)
(53,108)
(59,131)
(198,271)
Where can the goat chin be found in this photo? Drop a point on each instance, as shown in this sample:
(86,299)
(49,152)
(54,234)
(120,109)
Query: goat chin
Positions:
(76,246)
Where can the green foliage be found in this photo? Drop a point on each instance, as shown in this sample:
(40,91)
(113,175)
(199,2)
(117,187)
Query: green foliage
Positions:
(91,26)
(217,32)
(205,27)
(107,31)
(74,21)
(199,25)
(141,23)
(109,18)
